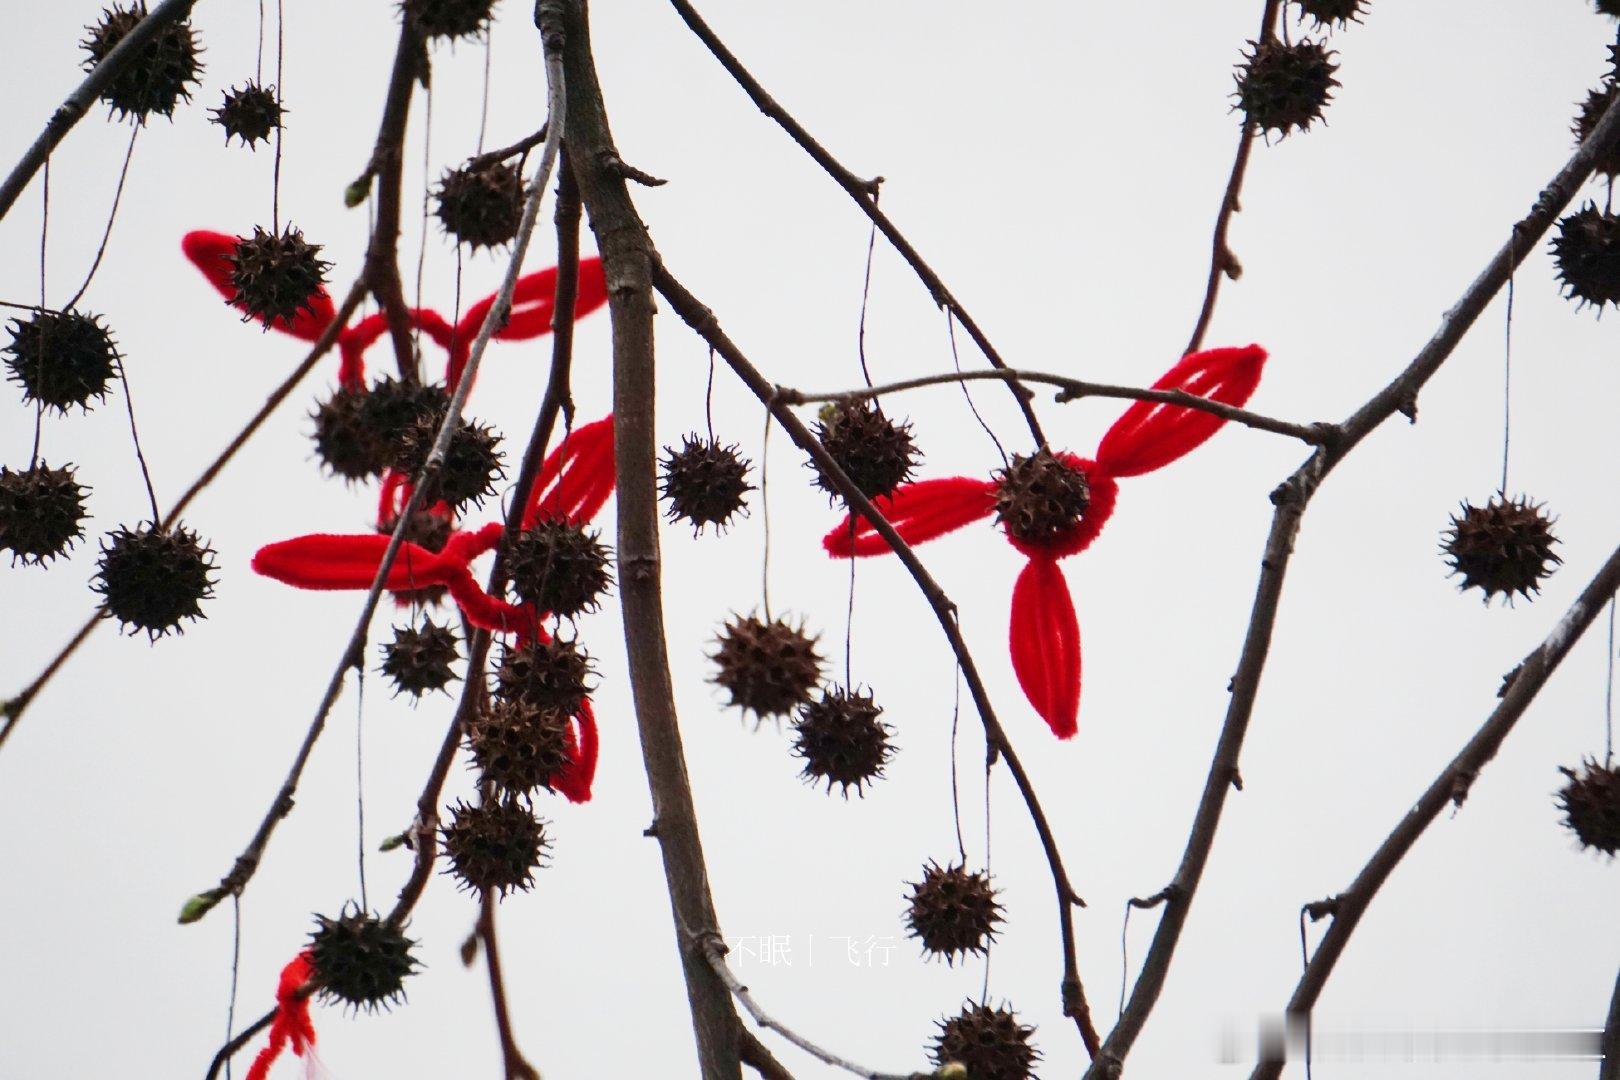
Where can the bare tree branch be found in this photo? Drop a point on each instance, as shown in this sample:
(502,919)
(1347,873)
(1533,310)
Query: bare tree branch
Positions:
(1610,1069)
(516,1065)
(1450,787)
(864,192)
(1291,498)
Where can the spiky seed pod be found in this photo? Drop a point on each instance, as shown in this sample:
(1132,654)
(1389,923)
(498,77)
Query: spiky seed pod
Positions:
(1040,497)
(393,407)
(450,18)
(494,846)
(877,453)
(545,675)
(558,567)
(346,440)
(361,960)
(991,1043)
(1505,546)
(481,205)
(1591,111)
(769,668)
(1284,87)
(418,659)
(251,113)
(842,740)
(151,579)
(471,465)
(1587,250)
(519,747)
(41,509)
(158,76)
(1591,805)
(704,482)
(1608,7)
(952,912)
(276,277)
(1332,12)
(61,358)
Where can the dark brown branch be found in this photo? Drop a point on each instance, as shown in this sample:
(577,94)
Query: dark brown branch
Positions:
(1449,788)
(12,710)
(387,164)
(239,1040)
(1074,390)
(702,320)
(864,192)
(1223,263)
(517,1066)
(627,257)
(72,110)
(1610,1070)
(757,1056)
(1291,498)
(522,146)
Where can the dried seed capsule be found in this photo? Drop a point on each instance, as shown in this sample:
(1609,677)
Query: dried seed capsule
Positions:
(41,509)
(558,567)
(1505,546)
(842,740)
(158,76)
(1040,497)
(61,359)
(878,454)
(1587,251)
(152,578)
(1591,805)
(769,668)
(418,659)
(1284,87)
(991,1043)
(952,912)
(495,846)
(704,482)
(361,960)
(545,675)
(276,277)
(250,112)
(481,205)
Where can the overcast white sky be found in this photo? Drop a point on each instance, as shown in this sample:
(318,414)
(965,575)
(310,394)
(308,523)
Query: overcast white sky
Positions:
(1060,164)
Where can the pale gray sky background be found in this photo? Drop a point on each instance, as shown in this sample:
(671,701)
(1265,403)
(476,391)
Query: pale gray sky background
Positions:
(1060,164)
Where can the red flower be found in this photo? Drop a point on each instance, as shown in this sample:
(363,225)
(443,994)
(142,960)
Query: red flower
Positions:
(292,1025)
(574,484)
(1044,635)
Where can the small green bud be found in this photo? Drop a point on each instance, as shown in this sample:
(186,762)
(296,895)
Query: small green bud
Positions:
(356,193)
(199,905)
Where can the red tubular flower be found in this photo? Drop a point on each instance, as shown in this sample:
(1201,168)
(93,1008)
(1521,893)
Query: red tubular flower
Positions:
(292,1026)
(1044,633)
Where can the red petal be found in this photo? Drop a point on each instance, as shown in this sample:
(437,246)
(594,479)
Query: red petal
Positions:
(486,611)
(326,561)
(1045,640)
(573,781)
(211,253)
(1150,435)
(533,301)
(584,472)
(919,512)
(356,339)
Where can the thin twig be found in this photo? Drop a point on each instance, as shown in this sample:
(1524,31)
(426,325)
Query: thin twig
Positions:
(1074,390)
(1449,788)
(707,326)
(864,192)
(1610,1070)
(1291,498)
(522,146)
(72,110)
(12,710)
(1223,263)
(517,1066)
(247,863)
(714,951)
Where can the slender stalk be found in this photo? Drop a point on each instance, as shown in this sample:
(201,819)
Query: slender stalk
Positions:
(864,192)
(1611,1038)
(1449,788)
(1291,498)
(702,320)
(72,110)
(517,1066)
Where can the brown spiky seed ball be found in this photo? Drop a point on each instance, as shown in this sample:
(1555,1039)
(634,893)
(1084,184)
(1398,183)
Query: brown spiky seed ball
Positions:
(991,1043)
(558,567)
(418,659)
(842,739)
(393,407)
(472,462)
(345,439)
(1040,497)
(519,747)
(1505,546)
(481,205)
(494,846)
(152,578)
(877,453)
(276,276)
(1284,87)
(1591,805)
(361,960)
(1587,251)
(250,112)
(952,911)
(1332,12)
(61,359)
(450,18)
(1591,111)
(545,674)
(769,668)
(704,482)
(158,76)
(41,511)
(1608,7)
